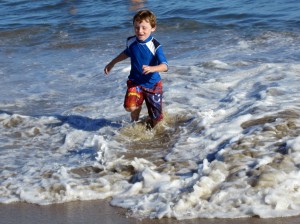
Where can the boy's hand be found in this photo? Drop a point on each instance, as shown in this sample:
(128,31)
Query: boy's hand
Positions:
(108,67)
(146,69)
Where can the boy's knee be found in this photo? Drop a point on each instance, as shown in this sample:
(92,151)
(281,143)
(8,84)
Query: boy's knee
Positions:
(131,109)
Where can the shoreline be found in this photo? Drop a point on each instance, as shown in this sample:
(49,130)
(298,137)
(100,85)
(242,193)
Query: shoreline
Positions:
(100,211)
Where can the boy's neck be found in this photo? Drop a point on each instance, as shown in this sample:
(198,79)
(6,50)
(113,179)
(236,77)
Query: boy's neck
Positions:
(146,40)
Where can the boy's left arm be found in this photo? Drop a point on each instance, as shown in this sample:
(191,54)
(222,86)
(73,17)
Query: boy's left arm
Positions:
(157,68)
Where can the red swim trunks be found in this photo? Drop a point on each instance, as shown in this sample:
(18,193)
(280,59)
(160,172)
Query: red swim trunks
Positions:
(136,95)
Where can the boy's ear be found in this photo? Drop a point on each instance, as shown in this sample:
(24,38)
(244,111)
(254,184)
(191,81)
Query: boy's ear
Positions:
(153,29)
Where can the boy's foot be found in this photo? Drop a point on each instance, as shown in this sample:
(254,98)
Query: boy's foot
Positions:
(149,124)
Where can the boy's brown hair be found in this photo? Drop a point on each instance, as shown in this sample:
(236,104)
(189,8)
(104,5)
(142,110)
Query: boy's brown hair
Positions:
(145,15)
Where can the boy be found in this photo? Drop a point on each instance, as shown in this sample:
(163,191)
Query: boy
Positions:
(147,60)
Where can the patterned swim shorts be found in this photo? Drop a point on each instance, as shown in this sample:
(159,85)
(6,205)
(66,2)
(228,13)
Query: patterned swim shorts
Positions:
(136,95)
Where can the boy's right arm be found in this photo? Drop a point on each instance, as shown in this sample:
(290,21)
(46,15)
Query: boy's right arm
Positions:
(122,56)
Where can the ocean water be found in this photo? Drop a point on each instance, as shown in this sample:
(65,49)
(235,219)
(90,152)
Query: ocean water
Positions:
(229,146)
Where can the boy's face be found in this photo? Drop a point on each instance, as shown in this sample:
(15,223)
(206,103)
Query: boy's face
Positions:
(143,29)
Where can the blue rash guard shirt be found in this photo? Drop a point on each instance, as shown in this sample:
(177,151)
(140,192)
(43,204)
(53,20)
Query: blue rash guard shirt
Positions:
(148,52)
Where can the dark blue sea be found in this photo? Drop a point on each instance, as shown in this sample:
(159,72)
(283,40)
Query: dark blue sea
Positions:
(229,145)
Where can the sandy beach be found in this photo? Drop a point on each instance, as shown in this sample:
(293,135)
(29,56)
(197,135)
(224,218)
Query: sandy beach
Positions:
(101,212)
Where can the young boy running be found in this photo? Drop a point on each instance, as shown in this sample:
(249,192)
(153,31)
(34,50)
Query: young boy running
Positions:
(147,60)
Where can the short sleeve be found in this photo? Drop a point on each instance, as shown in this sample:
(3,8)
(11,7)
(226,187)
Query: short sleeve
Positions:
(127,52)
(160,56)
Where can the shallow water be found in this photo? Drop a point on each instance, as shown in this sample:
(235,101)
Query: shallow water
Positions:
(228,147)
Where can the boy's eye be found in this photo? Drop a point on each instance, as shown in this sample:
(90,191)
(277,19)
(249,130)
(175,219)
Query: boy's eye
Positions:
(143,28)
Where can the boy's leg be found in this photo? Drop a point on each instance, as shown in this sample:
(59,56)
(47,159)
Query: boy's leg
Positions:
(133,100)
(154,105)
(155,122)
(153,99)
(136,114)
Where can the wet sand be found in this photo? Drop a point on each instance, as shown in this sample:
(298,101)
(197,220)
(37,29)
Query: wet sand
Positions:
(101,212)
